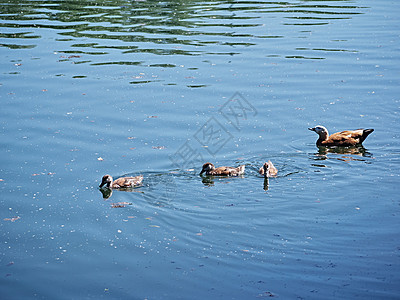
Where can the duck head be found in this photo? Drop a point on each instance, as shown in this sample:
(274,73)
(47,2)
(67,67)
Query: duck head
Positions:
(106,180)
(266,170)
(207,167)
(321,131)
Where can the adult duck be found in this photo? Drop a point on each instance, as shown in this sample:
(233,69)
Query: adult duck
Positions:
(123,182)
(345,138)
(210,169)
(268,169)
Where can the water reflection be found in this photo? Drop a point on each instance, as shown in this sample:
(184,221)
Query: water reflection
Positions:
(162,28)
(266,184)
(209,180)
(107,192)
(360,151)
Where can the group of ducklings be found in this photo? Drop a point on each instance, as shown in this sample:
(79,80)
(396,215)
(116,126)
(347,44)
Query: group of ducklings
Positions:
(347,138)
(267,170)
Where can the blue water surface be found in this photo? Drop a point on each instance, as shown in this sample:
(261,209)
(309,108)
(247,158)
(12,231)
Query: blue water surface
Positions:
(159,88)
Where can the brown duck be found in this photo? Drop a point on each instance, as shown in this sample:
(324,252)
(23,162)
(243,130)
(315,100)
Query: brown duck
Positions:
(123,182)
(210,169)
(345,138)
(268,169)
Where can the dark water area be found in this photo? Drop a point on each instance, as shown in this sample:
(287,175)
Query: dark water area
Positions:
(159,88)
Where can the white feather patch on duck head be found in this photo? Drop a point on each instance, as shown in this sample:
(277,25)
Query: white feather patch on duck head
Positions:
(264,169)
(321,131)
(207,167)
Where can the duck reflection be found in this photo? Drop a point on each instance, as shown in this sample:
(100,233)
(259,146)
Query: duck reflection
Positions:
(323,152)
(107,192)
(358,150)
(266,183)
(209,180)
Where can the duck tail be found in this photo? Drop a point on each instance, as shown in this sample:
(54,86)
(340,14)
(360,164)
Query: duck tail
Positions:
(139,180)
(241,169)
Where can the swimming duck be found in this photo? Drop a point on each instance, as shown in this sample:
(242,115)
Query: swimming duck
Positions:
(268,169)
(123,182)
(210,169)
(344,138)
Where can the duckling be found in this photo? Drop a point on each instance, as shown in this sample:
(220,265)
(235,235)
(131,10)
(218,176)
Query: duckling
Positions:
(210,169)
(123,182)
(268,169)
(345,138)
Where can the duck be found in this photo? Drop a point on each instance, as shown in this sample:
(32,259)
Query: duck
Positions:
(268,170)
(345,138)
(123,182)
(210,169)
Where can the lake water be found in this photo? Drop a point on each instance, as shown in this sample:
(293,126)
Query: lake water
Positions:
(158,89)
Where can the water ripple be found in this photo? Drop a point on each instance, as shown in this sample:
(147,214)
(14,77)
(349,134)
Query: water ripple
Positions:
(166,28)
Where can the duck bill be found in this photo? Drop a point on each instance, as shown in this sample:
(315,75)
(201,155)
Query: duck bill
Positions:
(201,173)
(311,128)
(101,184)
